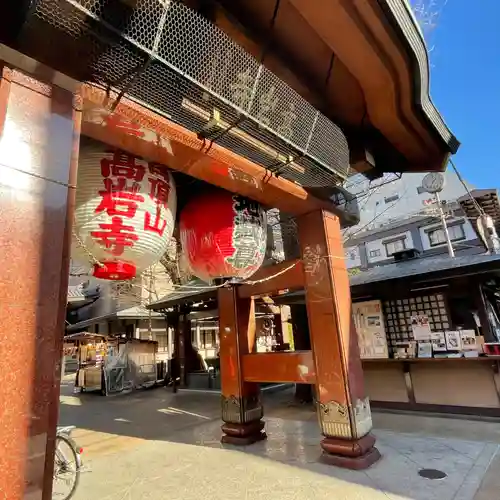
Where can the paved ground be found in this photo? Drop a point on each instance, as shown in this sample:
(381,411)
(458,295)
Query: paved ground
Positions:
(156,445)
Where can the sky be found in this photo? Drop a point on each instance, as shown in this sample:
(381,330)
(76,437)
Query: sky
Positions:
(465,84)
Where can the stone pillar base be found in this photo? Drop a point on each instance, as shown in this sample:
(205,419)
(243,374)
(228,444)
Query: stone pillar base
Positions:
(243,434)
(355,454)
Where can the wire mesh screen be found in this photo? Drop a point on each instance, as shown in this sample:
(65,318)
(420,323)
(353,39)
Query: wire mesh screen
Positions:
(175,62)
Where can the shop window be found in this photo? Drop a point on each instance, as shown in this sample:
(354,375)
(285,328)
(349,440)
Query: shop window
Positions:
(209,331)
(398,315)
(393,246)
(208,339)
(162,339)
(130,331)
(375,253)
(438,237)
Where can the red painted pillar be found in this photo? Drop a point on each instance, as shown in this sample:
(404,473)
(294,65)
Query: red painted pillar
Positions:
(343,408)
(242,410)
(39,133)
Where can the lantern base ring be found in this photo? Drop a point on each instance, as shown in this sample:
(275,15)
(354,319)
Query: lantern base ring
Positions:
(228,282)
(115,271)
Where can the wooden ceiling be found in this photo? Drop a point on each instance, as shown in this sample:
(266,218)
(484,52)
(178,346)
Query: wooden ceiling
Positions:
(363,63)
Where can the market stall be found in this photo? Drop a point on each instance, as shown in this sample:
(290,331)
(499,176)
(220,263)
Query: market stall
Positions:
(89,350)
(427,335)
(113,364)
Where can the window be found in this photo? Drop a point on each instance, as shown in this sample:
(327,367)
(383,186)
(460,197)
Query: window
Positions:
(438,237)
(391,247)
(375,253)
(390,199)
(208,332)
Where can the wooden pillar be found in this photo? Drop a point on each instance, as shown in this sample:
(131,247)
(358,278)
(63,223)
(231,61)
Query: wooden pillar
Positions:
(242,410)
(39,134)
(178,362)
(482,311)
(343,409)
(302,342)
(169,341)
(187,347)
(198,336)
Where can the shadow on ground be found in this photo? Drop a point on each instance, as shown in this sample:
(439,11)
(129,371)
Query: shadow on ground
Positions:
(129,429)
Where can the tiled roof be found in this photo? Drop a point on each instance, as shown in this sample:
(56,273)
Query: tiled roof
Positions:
(137,312)
(191,291)
(75,292)
(421,266)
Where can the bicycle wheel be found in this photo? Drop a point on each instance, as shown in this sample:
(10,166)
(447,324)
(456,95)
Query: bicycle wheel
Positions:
(66,471)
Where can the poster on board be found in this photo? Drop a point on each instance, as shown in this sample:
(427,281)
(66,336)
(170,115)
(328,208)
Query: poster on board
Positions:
(453,340)
(438,342)
(369,322)
(420,327)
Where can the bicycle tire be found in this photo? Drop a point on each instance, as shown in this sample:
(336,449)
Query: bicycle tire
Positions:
(71,444)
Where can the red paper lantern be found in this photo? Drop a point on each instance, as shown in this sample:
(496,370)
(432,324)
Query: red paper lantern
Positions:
(125,212)
(223,235)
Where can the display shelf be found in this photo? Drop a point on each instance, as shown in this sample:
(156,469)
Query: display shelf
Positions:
(430,360)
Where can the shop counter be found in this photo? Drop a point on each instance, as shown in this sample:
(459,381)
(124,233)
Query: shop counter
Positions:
(450,385)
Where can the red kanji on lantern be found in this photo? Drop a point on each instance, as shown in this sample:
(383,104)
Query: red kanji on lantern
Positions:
(115,237)
(120,184)
(128,126)
(123,165)
(159,191)
(155,226)
(123,203)
(160,170)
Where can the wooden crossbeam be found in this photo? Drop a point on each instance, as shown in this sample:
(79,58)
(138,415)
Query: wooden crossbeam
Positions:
(279,367)
(288,275)
(139,131)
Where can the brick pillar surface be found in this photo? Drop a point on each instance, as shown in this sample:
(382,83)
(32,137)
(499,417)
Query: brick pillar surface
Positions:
(343,409)
(39,132)
(242,410)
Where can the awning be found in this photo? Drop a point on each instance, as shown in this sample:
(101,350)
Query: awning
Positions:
(84,336)
(422,268)
(185,297)
(426,267)
(137,312)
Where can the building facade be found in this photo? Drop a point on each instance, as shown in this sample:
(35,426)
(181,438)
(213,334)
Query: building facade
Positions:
(424,233)
(389,199)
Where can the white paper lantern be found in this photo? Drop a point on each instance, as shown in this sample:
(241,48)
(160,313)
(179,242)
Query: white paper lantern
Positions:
(125,212)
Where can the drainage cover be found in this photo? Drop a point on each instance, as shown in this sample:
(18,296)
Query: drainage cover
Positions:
(432,474)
